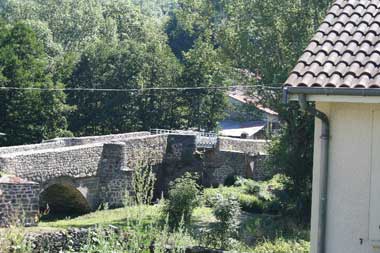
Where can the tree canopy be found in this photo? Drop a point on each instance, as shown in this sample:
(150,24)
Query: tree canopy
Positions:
(140,44)
(28,116)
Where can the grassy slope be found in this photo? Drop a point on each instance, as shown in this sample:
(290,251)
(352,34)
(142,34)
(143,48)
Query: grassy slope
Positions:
(262,232)
(254,227)
(124,216)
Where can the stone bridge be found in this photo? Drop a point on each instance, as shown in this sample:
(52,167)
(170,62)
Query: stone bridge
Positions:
(78,174)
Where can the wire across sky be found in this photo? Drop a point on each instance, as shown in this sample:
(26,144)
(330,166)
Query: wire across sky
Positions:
(79,89)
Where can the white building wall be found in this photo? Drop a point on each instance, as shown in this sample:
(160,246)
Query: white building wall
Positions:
(351,153)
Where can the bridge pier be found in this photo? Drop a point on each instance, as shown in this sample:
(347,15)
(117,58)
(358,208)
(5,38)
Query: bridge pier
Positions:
(115,177)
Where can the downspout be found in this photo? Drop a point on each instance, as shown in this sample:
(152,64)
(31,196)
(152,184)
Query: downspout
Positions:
(323,171)
(324,166)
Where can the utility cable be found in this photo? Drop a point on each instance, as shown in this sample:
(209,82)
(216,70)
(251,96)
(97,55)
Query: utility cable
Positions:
(264,87)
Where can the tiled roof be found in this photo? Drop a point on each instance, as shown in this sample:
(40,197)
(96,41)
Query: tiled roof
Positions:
(345,52)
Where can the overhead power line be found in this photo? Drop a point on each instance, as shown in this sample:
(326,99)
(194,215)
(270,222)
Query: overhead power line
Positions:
(143,89)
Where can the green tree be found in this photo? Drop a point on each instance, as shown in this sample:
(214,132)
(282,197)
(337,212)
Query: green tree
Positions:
(74,23)
(204,67)
(27,116)
(267,37)
(291,153)
(130,65)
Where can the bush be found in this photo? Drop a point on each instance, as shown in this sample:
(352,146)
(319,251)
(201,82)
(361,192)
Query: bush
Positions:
(209,195)
(143,184)
(248,202)
(251,203)
(183,197)
(225,231)
(230,180)
(252,187)
(13,239)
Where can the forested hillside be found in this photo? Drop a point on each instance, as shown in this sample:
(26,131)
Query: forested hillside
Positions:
(63,47)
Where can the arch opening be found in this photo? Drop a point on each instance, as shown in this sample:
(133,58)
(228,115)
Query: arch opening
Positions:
(62,200)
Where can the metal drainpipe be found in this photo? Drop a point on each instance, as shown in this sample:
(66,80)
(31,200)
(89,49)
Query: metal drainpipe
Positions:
(324,168)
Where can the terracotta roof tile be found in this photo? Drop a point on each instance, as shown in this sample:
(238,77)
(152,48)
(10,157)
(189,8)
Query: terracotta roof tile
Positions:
(345,51)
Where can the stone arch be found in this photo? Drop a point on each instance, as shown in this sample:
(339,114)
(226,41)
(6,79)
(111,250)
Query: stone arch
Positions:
(63,198)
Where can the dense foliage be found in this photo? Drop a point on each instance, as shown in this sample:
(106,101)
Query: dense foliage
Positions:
(183,198)
(225,231)
(139,44)
(151,44)
(253,196)
(27,115)
(104,45)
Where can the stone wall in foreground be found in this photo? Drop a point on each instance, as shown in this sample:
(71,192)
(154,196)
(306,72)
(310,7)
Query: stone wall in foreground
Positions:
(73,240)
(19,201)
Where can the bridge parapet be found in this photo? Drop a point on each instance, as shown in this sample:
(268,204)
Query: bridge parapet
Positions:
(68,142)
(41,165)
(242,145)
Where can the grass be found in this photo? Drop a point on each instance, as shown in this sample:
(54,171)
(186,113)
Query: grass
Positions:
(118,217)
(259,233)
(256,229)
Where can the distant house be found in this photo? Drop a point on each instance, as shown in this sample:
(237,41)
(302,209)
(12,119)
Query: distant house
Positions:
(340,72)
(247,117)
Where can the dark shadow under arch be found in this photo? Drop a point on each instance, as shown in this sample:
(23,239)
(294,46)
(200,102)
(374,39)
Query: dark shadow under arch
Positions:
(63,200)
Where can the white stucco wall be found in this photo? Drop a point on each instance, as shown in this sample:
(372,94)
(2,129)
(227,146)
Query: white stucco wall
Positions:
(353,157)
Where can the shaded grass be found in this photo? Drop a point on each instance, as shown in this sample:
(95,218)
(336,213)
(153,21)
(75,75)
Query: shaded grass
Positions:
(117,217)
(259,232)
(255,228)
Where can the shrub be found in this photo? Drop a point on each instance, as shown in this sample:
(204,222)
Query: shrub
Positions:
(252,187)
(143,184)
(13,239)
(248,202)
(225,231)
(251,203)
(101,240)
(209,194)
(230,180)
(183,197)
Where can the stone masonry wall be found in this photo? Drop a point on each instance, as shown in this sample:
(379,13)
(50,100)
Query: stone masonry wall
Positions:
(115,175)
(103,170)
(19,201)
(44,165)
(221,164)
(149,149)
(67,142)
(242,145)
(119,160)
(73,240)
(78,161)
(98,139)
(86,163)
